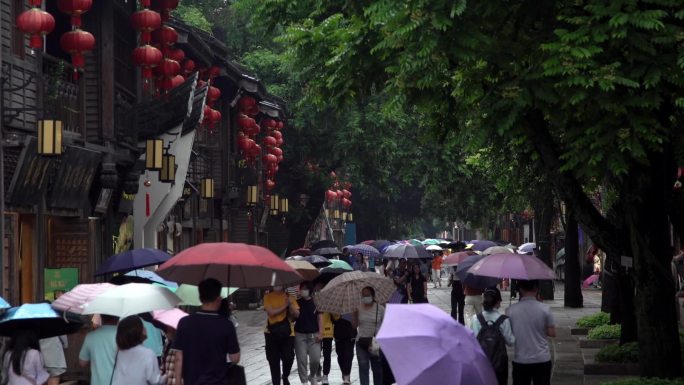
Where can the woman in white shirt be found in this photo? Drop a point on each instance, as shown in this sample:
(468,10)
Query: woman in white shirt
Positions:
(368,319)
(134,363)
(23,363)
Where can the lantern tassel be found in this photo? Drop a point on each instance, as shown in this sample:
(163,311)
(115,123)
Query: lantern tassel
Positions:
(75,75)
(147,204)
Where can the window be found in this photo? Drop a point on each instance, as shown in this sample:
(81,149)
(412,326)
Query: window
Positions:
(17,39)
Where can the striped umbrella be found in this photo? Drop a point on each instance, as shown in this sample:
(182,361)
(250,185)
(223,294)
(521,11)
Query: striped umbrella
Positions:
(75,299)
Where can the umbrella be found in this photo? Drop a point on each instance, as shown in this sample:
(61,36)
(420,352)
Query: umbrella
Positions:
(317,260)
(233,264)
(560,254)
(75,299)
(483,245)
(308,271)
(337,266)
(131,260)
(189,294)
(454,259)
(401,250)
(590,281)
(415,242)
(295,258)
(433,248)
(423,252)
(514,266)
(4,304)
(169,317)
(497,250)
(323,243)
(429,242)
(131,299)
(41,318)
(368,251)
(327,251)
(381,245)
(424,345)
(152,276)
(369,242)
(343,294)
(527,248)
(472,280)
(303,251)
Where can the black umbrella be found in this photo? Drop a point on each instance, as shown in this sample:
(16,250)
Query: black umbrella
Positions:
(327,251)
(423,252)
(317,260)
(476,281)
(381,244)
(41,318)
(322,244)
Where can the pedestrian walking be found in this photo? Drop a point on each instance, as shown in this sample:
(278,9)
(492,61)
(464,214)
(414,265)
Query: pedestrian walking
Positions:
(279,333)
(417,286)
(532,322)
(99,350)
(437,269)
(344,334)
(22,361)
(400,276)
(53,356)
(368,318)
(308,329)
(472,301)
(206,344)
(135,364)
(326,344)
(169,358)
(493,331)
(457,296)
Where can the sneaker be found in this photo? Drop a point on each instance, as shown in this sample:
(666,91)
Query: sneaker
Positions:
(324,380)
(286,381)
(346,379)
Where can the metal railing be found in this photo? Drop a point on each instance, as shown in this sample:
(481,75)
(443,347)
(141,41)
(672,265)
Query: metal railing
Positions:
(63,95)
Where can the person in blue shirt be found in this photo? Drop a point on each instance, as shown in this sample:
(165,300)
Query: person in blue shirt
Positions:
(99,351)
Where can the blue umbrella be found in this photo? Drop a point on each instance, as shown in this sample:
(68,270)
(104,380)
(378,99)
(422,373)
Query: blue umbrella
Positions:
(483,245)
(131,260)
(151,276)
(4,304)
(476,281)
(41,318)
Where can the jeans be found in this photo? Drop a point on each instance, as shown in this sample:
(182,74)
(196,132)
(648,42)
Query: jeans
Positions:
(457,301)
(344,347)
(537,374)
(366,362)
(327,351)
(473,306)
(279,350)
(308,353)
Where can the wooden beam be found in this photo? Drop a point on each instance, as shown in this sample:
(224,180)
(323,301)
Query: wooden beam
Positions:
(107,84)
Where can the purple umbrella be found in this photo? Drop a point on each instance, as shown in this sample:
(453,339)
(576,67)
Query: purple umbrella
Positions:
(424,345)
(476,281)
(483,245)
(515,266)
(368,251)
(131,260)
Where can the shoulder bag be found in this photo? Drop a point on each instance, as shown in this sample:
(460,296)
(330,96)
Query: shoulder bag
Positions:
(374,347)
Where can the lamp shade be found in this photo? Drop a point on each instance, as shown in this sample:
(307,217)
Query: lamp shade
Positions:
(336,214)
(168,170)
(275,202)
(50,137)
(284,205)
(350,217)
(207,188)
(154,151)
(344,216)
(251,195)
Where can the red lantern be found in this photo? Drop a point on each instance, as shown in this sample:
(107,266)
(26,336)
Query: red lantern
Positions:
(215,116)
(246,103)
(254,111)
(176,54)
(256,151)
(277,134)
(270,123)
(165,83)
(177,80)
(276,151)
(281,125)
(279,141)
(145,21)
(75,8)
(165,6)
(213,94)
(189,67)
(347,185)
(76,42)
(269,159)
(255,129)
(346,202)
(269,141)
(147,57)
(168,68)
(37,23)
(339,194)
(280,158)
(246,122)
(166,36)
(245,143)
(346,194)
(330,196)
(214,71)
(269,184)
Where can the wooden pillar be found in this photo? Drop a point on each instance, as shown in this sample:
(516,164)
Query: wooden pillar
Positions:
(106,18)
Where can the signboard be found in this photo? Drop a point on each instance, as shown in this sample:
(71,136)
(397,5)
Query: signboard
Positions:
(59,281)
(30,177)
(71,188)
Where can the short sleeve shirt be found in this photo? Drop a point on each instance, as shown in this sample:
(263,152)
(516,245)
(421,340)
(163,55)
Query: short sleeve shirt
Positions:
(529,320)
(206,339)
(275,300)
(99,348)
(437,262)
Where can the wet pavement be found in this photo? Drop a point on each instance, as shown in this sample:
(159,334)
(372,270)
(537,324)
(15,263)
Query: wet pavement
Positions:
(568,363)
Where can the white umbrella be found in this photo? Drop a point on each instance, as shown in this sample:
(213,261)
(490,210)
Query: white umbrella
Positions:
(189,294)
(131,299)
(434,248)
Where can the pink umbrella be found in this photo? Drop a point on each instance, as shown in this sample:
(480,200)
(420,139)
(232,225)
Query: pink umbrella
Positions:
(75,299)
(454,259)
(169,317)
(515,266)
(590,281)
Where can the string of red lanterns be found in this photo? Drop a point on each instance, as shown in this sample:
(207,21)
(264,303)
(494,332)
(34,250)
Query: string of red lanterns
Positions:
(36,23)
(146,56)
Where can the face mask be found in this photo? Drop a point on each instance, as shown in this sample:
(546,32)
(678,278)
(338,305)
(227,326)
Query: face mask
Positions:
(304,293)
(367,300)
(277,288)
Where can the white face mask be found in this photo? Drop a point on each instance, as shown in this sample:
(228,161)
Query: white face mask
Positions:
(277,288)
(305,292)
(367,300)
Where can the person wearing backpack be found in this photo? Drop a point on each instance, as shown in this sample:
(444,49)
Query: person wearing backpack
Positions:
(494,332)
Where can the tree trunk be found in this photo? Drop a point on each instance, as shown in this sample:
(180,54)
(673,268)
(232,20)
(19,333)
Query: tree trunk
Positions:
(543,214)
(573,283)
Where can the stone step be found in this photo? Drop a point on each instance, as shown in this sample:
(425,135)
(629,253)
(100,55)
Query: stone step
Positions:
(595,344)
(591,367)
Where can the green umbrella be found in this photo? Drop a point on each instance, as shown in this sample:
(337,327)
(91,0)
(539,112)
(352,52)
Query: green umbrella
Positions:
(337,266)
(189,294)
(416,242)
(429,242)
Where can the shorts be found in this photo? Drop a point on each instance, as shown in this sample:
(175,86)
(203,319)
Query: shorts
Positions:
(54,372)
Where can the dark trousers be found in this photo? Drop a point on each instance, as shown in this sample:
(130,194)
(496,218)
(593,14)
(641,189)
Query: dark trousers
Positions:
(537,374)
(387,375)
(344,347)
(277,350)
(457,301)
(502,375)
(327,351)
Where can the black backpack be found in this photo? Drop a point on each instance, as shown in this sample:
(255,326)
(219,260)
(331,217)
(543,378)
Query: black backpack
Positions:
(493,343)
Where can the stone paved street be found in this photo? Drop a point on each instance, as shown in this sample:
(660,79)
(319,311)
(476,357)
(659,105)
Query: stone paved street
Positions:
(568,364)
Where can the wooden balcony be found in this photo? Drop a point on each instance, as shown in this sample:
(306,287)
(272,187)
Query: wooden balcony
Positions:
(63,96)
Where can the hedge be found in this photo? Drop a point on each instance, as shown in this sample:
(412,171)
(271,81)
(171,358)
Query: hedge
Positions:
(645,381)
(604,332)
(594,320)
(627,353)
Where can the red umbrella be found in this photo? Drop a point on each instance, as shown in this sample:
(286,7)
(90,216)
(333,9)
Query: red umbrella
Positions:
(369,242)
(456,258)
(234,264)
(303,251)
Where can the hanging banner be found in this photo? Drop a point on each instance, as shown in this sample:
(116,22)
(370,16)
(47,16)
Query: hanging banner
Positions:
(59,281)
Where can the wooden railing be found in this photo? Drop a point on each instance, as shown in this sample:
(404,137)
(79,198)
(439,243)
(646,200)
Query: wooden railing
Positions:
(63,95)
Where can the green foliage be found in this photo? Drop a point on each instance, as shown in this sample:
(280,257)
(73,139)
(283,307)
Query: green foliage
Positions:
(604,332)
(646,381)
(626,353)
(193,16)
(594,320)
